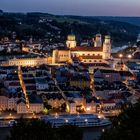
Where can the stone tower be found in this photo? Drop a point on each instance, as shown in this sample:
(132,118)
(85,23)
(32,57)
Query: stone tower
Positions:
(107,48)
(98,40)
(71,42)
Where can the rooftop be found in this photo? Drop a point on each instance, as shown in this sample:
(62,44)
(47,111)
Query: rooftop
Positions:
(85,48)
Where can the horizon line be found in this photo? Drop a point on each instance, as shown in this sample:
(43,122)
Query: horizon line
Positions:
(22,12)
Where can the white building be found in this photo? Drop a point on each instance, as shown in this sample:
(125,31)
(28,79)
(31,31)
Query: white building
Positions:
(35,105)
(99,53)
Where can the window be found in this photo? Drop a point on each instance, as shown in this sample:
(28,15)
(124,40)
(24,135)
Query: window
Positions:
(107,76)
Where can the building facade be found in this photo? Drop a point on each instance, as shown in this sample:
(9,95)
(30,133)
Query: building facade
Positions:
(98,53)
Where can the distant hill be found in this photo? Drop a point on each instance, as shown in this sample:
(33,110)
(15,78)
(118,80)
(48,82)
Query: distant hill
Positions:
(131,20)
(119,27)
(1,12)
(40,25)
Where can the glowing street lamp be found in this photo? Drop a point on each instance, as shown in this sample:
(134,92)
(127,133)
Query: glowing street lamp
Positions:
(10,115)
(129,56)
(120,55)
(66,121)
(86,120)
(88,109)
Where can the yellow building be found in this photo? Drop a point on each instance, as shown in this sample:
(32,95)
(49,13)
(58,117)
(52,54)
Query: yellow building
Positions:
(33,108)
(71,41)
(27,61)
(56,103)
(35,105)
(61,56)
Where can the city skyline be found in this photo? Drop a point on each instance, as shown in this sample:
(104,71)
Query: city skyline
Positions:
(71,7)
(67,67)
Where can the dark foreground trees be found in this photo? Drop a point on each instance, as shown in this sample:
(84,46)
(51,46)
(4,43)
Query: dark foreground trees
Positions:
(38,130)
(126,126)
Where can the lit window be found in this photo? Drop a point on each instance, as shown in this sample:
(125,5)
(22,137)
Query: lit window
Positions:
(107,76)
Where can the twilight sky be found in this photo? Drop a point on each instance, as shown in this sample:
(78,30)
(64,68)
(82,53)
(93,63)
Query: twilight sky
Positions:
(75,7)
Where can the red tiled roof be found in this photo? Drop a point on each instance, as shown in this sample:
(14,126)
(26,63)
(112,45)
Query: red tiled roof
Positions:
(108,102)
(96,64)
(91,57)
(95,49)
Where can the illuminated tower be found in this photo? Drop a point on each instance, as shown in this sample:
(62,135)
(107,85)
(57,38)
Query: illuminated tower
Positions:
(107,48)
(98,40)
(71,42)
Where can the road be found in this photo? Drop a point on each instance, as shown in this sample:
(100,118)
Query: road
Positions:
(23,86)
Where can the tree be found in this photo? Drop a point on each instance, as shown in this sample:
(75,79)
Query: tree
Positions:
(126,126)
(31,130)
(39,130)
(69,132)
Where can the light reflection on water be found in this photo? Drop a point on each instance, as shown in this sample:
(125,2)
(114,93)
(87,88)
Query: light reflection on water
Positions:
(92,133)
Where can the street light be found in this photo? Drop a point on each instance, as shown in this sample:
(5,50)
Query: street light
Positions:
(120,55)
(66,121)
(129,56)
(86,120)
(88,109)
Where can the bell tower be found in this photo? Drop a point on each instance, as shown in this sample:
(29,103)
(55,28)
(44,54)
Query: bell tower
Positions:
(98,40)
(71,42)
(107,47)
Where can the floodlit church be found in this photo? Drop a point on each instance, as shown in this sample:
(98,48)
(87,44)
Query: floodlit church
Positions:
(98,53)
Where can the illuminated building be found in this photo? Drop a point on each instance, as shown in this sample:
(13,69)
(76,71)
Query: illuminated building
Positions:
(60,56)
(99,53)
(27,61)
(71,42)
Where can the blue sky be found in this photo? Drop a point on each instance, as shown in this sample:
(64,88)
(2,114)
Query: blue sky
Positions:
(75,7)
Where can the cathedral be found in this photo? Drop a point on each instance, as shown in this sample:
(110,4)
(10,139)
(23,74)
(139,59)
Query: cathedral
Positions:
(98,53)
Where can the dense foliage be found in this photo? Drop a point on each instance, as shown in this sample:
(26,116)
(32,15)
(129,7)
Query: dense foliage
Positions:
(38,130)
(39,25)
(126,126)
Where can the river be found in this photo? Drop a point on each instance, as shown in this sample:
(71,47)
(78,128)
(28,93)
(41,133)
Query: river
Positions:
(88,133)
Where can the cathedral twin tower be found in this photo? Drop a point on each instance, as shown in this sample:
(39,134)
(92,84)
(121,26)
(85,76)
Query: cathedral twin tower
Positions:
(106,45)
